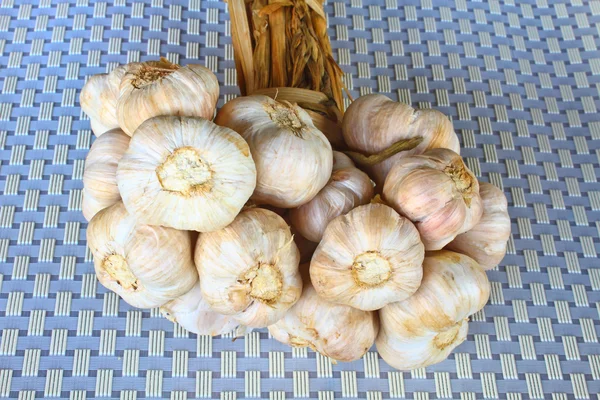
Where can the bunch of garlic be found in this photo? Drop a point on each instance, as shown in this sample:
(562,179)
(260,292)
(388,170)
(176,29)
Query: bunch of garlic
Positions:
(423,329)
(100,173)
(146,265)
(373,123)
(437,192)
(210,221)
(293,158)
(249,269)
(337,331)
(347,188)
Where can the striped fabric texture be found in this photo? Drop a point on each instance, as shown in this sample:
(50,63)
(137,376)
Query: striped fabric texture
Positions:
(520,80)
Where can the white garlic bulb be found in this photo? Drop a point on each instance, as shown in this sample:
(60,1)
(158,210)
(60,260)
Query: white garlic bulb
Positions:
(486,242)
(146,265)
(334,330)
(154,88)
(100,173)
(373,123)
(249,269)
(368,258)
(99,98)
(186,173)
(195,315)
(423,329)
(293,158)
(347,188)
(437,192)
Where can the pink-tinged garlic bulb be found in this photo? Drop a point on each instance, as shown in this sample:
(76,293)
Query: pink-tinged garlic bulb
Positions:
(437,192)
(423,329)
(249,269)
(486,242)
(146,265)
(99,97)
(347,188)
(293,158)
(373,123)
(334,330)
(154,88)
(195,315)
(100,188)
(368,258)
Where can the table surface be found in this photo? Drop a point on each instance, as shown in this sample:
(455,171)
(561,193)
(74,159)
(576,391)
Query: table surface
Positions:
(520,80)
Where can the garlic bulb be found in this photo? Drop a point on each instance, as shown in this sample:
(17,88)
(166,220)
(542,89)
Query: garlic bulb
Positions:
(423,329)
(347,188)
(486,242)
(368,258)
(437,192)
(334,330)
(195,315)
(154,88)
(99,98)
(250,268)
(100,173)
(186,173)
(146,265)
(293,158)
(373,123)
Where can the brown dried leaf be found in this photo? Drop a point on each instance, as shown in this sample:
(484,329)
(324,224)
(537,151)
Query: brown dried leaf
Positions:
(273,6)
(242,45)
(262,43)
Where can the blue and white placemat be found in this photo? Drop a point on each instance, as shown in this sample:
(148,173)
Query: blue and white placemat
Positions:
(521,81)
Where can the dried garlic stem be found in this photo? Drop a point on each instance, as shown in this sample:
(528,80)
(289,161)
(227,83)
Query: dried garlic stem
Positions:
(289,47)
(242,45)
(262,42)
(369,161)
(278,46)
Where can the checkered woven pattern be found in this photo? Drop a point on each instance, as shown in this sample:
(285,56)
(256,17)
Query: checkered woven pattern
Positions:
(520,80)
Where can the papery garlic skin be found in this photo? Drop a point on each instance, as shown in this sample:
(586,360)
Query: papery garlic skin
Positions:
(334,330)
(194,314)
(347,188)
(293,158)
(146,265)
(437,192)
(368,258)
(423,329)
(373,123)
(186,173)
(155,88)
(486,242)
(100,172)
(249,269)
(99,98)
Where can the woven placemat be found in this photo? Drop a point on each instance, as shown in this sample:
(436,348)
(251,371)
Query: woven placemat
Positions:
(520,80)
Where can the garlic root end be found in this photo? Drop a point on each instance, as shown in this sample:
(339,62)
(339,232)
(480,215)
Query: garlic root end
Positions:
(116,266)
